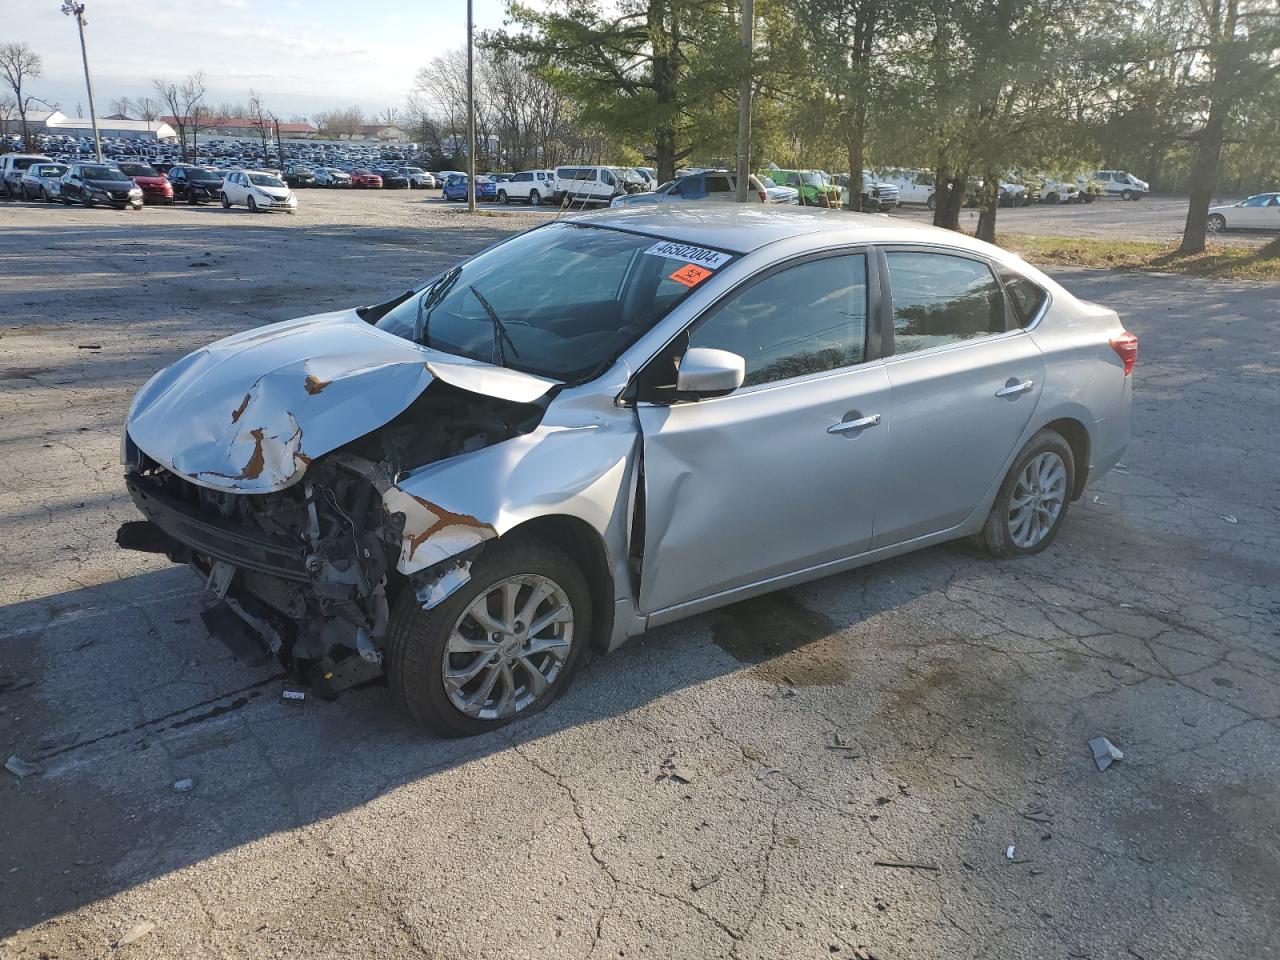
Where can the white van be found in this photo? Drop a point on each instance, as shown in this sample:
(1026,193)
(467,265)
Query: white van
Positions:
(1126,186)
(585,185)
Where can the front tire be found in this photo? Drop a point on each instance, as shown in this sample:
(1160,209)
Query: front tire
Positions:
(503,198)
(931,203)
(1216,223)
(503,646)
(1126,194)
(252,204)
(1032,502)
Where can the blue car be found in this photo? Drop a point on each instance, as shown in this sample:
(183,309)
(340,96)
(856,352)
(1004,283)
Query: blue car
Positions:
(455,188)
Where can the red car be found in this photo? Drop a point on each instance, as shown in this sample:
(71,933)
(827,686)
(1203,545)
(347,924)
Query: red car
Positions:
(366,178)
(156,187)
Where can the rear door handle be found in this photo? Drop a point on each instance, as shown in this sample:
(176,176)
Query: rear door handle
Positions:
(860,424)
(1015,387)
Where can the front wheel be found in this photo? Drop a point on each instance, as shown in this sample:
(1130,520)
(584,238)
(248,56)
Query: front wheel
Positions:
(505,645)
(1126,194)
(1032,502)
(1216,223)
(252,204)
(503,198)
(931,203)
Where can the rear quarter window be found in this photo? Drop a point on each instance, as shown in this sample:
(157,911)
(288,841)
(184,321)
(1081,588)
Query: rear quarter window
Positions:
(1025,297)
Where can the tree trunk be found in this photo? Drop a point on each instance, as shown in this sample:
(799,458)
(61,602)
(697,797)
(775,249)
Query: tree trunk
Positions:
(950,198)
(990,203)
(664,40)
(1204,175)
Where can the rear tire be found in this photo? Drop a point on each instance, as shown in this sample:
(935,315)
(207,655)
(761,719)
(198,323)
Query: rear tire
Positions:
(1038,487)
(418,642)
(226,203)
(1216,223)
(534,199)
(932,202)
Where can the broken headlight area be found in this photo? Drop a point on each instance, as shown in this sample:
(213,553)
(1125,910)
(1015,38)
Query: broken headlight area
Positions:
(308,574)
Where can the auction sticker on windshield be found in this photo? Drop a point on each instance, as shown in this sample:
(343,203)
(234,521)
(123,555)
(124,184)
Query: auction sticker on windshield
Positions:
(701,256)
(690,275)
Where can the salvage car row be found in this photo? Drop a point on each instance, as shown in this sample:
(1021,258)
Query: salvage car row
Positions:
(131,184)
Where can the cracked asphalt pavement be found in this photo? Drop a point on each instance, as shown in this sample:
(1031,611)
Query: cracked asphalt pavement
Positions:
(837,770)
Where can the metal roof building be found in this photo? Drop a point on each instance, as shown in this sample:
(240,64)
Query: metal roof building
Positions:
(57,122)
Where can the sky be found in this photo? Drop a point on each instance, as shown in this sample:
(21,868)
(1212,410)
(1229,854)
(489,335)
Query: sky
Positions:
(303,56)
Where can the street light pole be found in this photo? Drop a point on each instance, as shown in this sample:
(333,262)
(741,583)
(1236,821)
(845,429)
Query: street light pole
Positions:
(77,10)
(471,111)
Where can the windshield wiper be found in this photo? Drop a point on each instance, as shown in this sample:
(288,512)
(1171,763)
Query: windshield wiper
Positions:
(436,292)
(497,354)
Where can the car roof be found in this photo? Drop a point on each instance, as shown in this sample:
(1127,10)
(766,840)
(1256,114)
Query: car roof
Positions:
(745,227)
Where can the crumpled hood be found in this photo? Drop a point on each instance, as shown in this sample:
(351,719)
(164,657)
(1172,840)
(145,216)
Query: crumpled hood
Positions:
(250,413)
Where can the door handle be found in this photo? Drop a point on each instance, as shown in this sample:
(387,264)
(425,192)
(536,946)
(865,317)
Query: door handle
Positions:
(1015,387)
(860,424)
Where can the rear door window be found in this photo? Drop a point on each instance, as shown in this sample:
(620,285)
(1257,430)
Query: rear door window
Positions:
(942,298)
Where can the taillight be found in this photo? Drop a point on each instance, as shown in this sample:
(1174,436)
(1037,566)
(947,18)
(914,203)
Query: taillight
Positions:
(1126,348)
(764,197)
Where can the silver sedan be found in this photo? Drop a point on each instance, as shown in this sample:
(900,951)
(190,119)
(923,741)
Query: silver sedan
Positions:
(609,423)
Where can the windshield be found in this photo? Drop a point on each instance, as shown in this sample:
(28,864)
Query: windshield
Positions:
(50,170)
(138,170)
(202,175)
(265,180)
(812,179)
(103,173)
(560,301)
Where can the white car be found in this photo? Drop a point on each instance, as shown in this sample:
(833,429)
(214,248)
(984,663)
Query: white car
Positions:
(914,186)
(706,185)
(1059,191)
(1259,212)
(531,186)
(580,186)
(257,191)
(1117,183)
(419,179)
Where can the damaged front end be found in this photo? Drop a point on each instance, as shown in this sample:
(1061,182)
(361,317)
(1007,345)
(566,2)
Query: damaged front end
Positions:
(282,489)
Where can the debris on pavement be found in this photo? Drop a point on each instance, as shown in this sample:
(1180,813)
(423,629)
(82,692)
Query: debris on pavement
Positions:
(766,772)
(1105,752)
(183,785)
(20,768)
(704,882)
(290,694)
(672,772)
(1008,852)
(136,933)
(906,865)
(1038,815)
(1227,517)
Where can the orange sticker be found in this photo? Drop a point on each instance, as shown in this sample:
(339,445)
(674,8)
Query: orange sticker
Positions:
(691,275)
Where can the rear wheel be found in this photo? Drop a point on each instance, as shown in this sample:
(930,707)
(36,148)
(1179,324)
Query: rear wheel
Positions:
(1216,223)
(932,202)
(505,645)
(226,202)
(1032,502)
(534,199)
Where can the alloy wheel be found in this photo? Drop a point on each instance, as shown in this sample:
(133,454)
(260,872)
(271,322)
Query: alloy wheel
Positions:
(1037,500)
(508,647)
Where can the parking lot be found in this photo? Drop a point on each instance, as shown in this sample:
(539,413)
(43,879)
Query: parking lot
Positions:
(890,763)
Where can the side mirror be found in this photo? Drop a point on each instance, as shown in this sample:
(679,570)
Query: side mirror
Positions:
(707,373)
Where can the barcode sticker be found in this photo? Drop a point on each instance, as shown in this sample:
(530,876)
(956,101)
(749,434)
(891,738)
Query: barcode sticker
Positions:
(709,259)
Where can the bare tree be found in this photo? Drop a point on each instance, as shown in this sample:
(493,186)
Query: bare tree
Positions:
(263,121)
(185,106)
(19,63)
(390,117)
(147,108)
(337,124)
(8,110)
(122,106)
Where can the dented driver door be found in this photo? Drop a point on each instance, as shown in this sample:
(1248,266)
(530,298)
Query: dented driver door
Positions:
(781,474)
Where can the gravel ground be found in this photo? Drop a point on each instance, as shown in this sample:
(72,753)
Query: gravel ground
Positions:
(932,710)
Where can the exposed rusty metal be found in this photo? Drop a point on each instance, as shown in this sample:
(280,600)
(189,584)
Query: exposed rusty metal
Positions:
(235,414)
(314,384)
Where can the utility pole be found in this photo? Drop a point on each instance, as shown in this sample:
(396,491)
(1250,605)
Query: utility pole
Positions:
(744,102)
(77,10)
(471,111)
